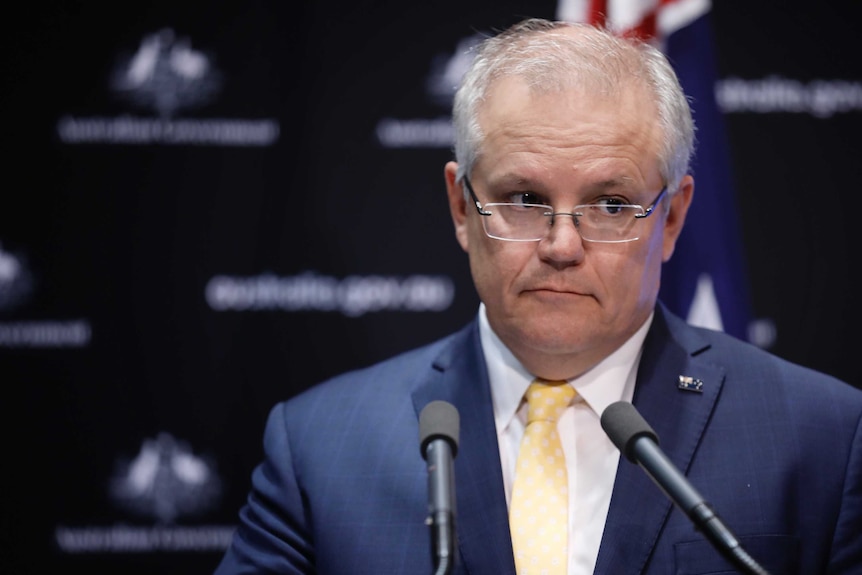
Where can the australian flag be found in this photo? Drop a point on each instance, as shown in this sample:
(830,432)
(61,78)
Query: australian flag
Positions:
(705,281)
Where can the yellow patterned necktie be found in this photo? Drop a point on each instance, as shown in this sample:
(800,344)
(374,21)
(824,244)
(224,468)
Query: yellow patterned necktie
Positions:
(538,512)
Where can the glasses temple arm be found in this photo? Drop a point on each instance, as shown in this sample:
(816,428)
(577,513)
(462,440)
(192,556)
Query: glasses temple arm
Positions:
(482,211)
(652,206)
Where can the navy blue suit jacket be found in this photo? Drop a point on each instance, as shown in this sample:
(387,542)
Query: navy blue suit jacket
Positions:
(775,448)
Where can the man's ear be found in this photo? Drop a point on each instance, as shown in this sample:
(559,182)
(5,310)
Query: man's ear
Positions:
(457,204)
(675,219)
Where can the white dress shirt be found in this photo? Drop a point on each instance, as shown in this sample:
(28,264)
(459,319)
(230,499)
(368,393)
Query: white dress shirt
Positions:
(591,458)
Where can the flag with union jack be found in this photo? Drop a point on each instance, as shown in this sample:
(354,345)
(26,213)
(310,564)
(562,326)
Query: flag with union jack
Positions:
(706,280)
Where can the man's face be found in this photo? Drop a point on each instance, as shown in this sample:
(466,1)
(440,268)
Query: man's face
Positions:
(563,304)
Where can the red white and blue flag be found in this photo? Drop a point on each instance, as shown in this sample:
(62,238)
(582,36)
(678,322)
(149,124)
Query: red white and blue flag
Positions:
(705,281)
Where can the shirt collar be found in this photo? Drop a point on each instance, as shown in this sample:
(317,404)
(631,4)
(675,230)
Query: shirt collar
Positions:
(610,380)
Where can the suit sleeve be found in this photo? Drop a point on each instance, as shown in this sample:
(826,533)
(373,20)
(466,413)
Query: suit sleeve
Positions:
(273,535)
(847,544)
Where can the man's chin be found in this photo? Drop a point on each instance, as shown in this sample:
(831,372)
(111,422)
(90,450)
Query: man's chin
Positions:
(556,310)
(559,337)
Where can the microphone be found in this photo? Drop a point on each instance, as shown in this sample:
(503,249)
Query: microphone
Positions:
(439,425)
(635,439)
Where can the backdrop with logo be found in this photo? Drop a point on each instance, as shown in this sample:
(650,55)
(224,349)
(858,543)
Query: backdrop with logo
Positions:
(210,208)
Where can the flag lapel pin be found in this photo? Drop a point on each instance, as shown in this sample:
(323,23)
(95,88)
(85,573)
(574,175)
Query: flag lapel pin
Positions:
(688,383)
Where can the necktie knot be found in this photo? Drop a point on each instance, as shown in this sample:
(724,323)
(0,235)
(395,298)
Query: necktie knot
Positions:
(546,400)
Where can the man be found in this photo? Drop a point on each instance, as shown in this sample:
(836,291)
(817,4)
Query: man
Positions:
(570,190)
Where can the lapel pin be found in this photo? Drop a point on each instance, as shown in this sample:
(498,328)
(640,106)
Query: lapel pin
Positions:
(688,383)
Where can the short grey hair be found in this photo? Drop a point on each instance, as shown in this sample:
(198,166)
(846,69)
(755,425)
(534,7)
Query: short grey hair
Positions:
(596,60)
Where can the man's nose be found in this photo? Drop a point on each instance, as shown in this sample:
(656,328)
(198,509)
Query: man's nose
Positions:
(564,241)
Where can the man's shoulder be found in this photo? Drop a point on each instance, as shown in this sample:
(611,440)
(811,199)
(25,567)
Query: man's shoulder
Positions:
(745,362)
(394,374)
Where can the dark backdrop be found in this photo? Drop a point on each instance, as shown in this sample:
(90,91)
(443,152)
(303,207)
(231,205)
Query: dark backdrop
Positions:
(180,250)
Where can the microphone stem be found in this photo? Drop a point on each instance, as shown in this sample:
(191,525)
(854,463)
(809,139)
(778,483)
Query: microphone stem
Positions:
(444,567)
(662,471)
(441,516)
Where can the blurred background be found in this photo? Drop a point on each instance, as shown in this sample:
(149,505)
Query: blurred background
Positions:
(210,207)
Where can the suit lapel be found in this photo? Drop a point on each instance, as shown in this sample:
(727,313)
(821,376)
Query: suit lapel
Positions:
(638,509)
(482,524)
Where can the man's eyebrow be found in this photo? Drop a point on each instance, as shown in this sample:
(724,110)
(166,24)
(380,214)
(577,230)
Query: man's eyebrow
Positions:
(511,179)
(611,183)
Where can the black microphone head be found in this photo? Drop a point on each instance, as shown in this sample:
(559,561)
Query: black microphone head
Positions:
(439,420)
(623,424)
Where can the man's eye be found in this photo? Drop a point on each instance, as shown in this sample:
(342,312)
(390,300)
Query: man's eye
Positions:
(610,205)
(525,198)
